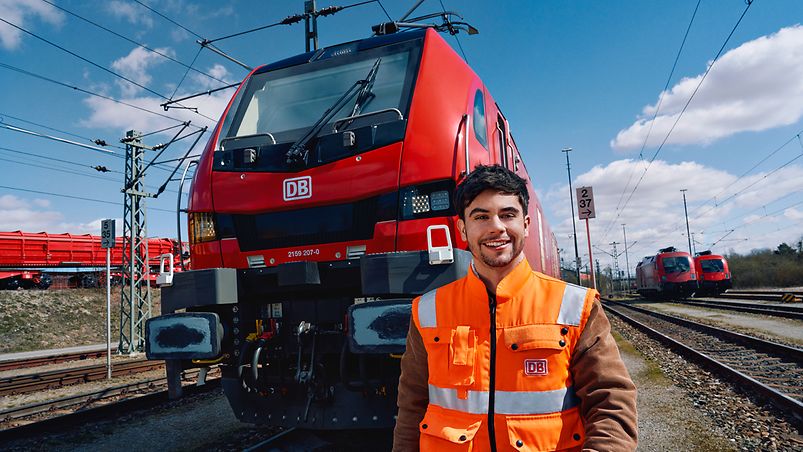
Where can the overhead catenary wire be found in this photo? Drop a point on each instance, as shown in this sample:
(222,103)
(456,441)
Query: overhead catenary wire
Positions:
(654,116)
(99,66)
(139,44)
(91,140)
(81,198)
(77,173)
(683,110)
(69,162)
(89,92)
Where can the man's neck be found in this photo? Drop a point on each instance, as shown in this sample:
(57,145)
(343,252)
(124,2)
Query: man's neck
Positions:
(492,276)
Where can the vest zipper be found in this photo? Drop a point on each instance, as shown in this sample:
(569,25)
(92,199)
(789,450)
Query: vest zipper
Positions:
(492,376)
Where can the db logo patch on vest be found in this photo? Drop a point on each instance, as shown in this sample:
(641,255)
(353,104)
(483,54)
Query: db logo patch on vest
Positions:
(297,188)
(535,367)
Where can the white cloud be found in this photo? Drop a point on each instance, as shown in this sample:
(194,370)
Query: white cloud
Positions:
(20,13)
(133,14)
(793,214)
(135,66)
(105,113)
(218,71)
(654,217)
(34,215)
(729,101)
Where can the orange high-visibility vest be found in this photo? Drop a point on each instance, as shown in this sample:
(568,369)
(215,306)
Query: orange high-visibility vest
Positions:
(504,358)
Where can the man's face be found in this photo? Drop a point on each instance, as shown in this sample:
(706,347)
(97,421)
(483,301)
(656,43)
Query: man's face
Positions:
(495,226)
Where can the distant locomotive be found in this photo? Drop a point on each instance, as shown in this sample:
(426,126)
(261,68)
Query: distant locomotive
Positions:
(320,208)
(668,273)
(713,274)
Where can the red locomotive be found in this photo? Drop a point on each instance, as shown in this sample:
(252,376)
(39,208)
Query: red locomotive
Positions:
(669,273)
(321,206)
(713,274)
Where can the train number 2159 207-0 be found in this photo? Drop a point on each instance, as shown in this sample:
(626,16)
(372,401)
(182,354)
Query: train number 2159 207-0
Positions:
(304,253)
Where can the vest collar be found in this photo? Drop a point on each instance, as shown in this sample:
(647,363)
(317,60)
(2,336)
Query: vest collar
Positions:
(509,286)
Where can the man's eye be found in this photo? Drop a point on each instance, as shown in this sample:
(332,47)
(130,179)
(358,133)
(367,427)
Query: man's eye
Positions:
(481,217)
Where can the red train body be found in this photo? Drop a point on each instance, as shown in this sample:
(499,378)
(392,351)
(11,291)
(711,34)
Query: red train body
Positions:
(307,254)
(669,273)
(713,274)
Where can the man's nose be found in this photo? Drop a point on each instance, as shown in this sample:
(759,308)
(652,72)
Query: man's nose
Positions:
(497,224)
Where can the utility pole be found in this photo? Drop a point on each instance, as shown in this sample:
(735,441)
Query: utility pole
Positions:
(627,260)
(616,262)
(688,234)
(310,18)
(135,301)
(574,227)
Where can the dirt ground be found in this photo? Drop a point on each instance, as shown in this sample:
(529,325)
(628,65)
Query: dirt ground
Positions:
(46,319)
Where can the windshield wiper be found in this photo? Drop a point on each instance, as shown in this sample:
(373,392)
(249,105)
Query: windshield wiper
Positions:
(298,152)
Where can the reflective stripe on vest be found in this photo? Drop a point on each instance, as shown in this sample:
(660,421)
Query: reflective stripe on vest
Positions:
(505,402)
(571,307)
(426,310)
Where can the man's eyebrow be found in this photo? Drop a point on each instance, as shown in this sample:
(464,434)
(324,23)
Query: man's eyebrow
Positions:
(509,209)
(477,210)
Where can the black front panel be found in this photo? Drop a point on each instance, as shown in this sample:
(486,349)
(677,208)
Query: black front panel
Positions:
(309,226)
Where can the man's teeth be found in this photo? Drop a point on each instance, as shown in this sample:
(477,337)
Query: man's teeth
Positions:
(495,243)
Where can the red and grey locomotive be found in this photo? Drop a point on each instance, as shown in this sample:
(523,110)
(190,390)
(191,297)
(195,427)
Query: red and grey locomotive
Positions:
(713,274)
(320,207)
(666,274)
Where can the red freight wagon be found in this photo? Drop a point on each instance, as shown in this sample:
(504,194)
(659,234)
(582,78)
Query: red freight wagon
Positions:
(713,274)
(311,215)
(668,273)
(42,249)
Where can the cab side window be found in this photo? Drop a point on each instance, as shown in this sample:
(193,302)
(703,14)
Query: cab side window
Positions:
(478,119)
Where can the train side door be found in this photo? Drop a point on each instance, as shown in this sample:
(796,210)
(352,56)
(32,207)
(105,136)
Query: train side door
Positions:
(474,149)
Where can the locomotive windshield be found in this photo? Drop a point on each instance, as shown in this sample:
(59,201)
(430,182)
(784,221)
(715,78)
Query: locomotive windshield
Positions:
(285,103)
(676,264)
(712,266)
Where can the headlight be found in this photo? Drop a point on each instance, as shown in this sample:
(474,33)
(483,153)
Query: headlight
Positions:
(425,201)
(201,227)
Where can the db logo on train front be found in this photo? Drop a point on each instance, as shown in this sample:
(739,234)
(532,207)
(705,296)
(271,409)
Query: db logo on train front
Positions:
(297,188)
(535,367)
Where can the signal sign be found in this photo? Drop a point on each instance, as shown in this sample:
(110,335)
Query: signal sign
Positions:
(585,203)
(107,237)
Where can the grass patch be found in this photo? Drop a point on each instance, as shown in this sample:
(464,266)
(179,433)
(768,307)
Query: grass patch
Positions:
(652,371)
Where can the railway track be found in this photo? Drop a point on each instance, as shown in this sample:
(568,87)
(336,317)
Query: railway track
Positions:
(22,384)
(104,404)
(55,358)
(791,312)
(769,370)
(760,295)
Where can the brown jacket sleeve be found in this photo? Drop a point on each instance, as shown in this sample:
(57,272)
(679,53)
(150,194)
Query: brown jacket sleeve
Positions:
(413,392)
(607,394)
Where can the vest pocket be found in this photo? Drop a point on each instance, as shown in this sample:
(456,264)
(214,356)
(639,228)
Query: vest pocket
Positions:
(546,432)
(530,337)
(451,354)
(443,430)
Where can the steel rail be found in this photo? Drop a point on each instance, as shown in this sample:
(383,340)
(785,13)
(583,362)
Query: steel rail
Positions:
(791,312)
(83,415)
(22,363)
(22,384)
(785,403)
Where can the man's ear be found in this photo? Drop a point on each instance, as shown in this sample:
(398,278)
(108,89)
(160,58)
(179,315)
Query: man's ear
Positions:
(526,226)
(461,226)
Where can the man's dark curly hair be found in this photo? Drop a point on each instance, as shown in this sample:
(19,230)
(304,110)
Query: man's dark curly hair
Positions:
(490,177)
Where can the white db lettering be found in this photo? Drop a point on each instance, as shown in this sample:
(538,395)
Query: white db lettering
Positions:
(297,188)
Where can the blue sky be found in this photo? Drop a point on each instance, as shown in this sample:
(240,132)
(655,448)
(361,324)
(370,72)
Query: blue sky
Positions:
(581,74)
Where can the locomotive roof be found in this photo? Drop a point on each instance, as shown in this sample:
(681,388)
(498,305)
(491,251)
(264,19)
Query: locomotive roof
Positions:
(347,47)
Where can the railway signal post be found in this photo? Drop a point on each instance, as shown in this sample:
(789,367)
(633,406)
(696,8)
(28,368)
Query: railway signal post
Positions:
(586,209)
(107,240)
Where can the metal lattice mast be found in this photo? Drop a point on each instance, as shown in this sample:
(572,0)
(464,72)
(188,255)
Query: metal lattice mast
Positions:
(135,301)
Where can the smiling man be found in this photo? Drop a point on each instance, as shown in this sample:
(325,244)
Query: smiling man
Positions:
(507,358)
